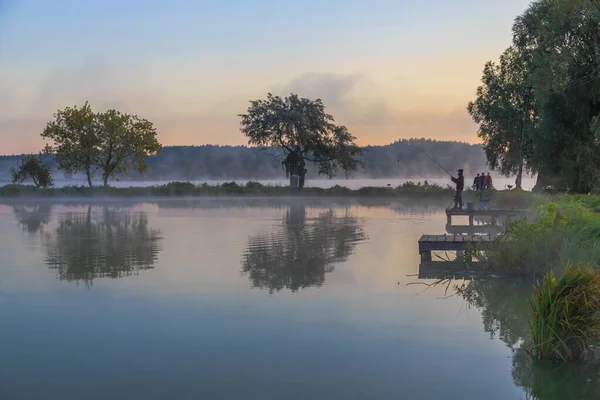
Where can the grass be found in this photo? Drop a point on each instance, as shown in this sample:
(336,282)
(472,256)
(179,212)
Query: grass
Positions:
(565,229)
(565,314)
(226,189)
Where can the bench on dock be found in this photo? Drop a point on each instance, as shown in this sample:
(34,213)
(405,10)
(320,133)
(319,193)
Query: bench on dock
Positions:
(429,243)
(483,213)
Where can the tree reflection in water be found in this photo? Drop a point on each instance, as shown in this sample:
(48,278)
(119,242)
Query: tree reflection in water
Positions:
(303,251)
(32,218)
(101,244)
(502,304)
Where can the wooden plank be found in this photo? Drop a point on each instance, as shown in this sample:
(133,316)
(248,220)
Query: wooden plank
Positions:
(496,212)
(429,243)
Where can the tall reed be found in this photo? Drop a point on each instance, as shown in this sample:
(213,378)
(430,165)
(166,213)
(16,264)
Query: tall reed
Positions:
(565,314)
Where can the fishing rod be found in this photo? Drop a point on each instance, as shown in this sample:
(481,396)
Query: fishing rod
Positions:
(424,177)
(432,159)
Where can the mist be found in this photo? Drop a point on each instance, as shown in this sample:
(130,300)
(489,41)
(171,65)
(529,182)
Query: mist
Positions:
(391,164)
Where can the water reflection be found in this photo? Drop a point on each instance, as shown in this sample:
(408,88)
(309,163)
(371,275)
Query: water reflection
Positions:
(32,218)
(303,251)
(101,242)
(502,304)
(551,381)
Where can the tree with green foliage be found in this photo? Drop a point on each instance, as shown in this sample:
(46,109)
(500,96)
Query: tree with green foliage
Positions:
(499,112)
(126,141)
(556,49)
(561,41)
(112,142)
(32,167)
(302,129)
(74,132)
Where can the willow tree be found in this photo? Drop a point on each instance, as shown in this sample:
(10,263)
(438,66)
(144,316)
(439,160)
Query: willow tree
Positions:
(304,132)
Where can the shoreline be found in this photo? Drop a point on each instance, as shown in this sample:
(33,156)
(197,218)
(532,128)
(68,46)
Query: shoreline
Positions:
(443,196)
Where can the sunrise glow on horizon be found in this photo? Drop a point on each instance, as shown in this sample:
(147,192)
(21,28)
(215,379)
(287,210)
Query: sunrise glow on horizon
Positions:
(385,69)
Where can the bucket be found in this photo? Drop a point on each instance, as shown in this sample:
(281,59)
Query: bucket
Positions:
(470,205)
(294,181)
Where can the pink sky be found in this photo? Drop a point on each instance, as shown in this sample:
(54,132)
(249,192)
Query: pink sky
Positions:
(384,81)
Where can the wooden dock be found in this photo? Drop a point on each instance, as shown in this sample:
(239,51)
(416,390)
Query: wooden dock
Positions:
(429,243)
(472,214)
(450,270)
(473,229)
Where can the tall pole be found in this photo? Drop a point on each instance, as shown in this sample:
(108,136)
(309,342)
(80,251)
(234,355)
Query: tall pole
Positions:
(527,96)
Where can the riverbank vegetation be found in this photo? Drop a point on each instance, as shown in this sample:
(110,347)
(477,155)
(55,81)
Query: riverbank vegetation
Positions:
(228,189)
(560,246)
(565,317)
(540,101)
(564,229)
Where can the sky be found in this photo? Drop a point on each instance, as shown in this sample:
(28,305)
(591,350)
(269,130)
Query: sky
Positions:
(387,69)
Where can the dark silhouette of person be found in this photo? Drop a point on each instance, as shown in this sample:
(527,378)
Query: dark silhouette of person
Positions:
(460,185)
(477,183)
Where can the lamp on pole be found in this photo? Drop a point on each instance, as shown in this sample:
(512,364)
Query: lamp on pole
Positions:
(527,97)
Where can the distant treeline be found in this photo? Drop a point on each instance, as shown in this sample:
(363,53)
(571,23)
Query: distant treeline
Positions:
(240,162)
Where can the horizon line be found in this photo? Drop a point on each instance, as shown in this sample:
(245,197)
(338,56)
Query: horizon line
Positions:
(256,147)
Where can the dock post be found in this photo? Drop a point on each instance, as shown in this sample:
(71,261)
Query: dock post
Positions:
(425,256)
(468,257)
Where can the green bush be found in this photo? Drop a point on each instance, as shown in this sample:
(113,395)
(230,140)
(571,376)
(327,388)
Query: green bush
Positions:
(562,232)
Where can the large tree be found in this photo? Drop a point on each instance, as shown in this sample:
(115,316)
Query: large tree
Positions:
(111,141)
(302,129)
(556,49)
(126,141)
(74,132)
(499,110)
(561,40)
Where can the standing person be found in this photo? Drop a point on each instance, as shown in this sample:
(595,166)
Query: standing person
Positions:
(477,183)
(460,185)
(482,178)
(489,180)
(486,181)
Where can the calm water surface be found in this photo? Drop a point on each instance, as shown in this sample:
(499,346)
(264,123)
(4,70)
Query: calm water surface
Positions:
(250,299)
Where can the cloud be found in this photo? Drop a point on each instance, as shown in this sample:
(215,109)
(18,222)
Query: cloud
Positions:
(333,89)
(346,96)
(103,85)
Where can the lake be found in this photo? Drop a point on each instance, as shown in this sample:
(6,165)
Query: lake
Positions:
(252,299)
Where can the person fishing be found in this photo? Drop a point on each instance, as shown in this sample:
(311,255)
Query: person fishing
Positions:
(476,183)
(460,185)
